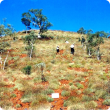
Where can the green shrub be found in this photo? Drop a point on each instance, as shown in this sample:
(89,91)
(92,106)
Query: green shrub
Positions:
(106,102)
(91,105)
(66,103)
(18,105)
(80,86)
(27,70)
(71,83)
(86,98)
(65,93)
(13,95)
(73,87)
(88,91)
(49,99)
(78,92)
(48,91)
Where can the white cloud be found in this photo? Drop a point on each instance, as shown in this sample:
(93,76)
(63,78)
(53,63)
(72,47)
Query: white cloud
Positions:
(1,1)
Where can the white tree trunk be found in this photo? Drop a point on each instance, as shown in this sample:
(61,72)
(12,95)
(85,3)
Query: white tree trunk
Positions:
(26,29)
(31,51)
(5,60)
(1,61)
(89,53)
(98,55)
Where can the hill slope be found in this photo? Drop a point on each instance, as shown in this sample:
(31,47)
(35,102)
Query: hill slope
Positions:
(81,81)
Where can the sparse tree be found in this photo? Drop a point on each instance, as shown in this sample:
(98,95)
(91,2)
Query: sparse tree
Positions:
(81,31)
(37,19)
(26,20)
(93,44)
(30,40)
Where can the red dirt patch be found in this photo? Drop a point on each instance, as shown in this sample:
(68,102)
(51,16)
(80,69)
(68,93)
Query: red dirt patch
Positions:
(10,62)
(16,100)
(23,55)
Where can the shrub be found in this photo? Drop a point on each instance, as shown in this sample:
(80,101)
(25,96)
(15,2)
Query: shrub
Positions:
(66,103)
(27,70)
(18,105)
(65,93)
(80,86)
(48,91)
(78,92)
(73,87)
(88,91)
(71,83)
(49,99)
(91,105)
(86,98)
(106,102)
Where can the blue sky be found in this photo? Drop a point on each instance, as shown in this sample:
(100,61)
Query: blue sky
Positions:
(66,15)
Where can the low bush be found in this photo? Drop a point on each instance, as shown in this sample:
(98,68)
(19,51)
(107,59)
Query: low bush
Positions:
(91,105)
(49,99)
(65,93)
(80,86)
(27,70)
(106,102)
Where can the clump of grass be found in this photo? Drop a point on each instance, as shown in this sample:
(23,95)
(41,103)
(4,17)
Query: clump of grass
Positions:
(79,79)
(74,99)
(78,92)
(80,86)
(65,93)
(49,99)
(91,105)
(106,102)
(86,98)
(100,93)
(34,103)
(48,91)
(53,86)
(18,105)
(13,95)
(88,91)
(5,103)
(72,87)
(71,83)
(78,106)
(66,103)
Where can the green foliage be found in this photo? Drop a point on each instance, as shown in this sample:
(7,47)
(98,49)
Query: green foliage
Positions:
(49,99)
(26,20)
(2,30)
(3,46)
(66,103)
(37,19)
(31,38)
(65,93)
(106,102)
(86,98)
(18,105)
(80,86)
(81,31)
(48,91)
(27,70)
(91,105)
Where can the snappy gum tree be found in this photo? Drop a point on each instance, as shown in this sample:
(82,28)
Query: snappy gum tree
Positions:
(37,19)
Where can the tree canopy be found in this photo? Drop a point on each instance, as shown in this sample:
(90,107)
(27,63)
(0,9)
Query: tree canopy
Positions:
(37,19)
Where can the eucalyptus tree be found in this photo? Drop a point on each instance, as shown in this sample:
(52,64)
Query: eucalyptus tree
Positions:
(2,29)
(26,20)
(81,31)
(93,44)
(37,19)
(30,40)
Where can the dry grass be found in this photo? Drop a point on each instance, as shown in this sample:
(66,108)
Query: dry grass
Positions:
(56,67)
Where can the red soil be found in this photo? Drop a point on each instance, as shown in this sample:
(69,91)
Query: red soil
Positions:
(16,100)
(10,62)
(23,55)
